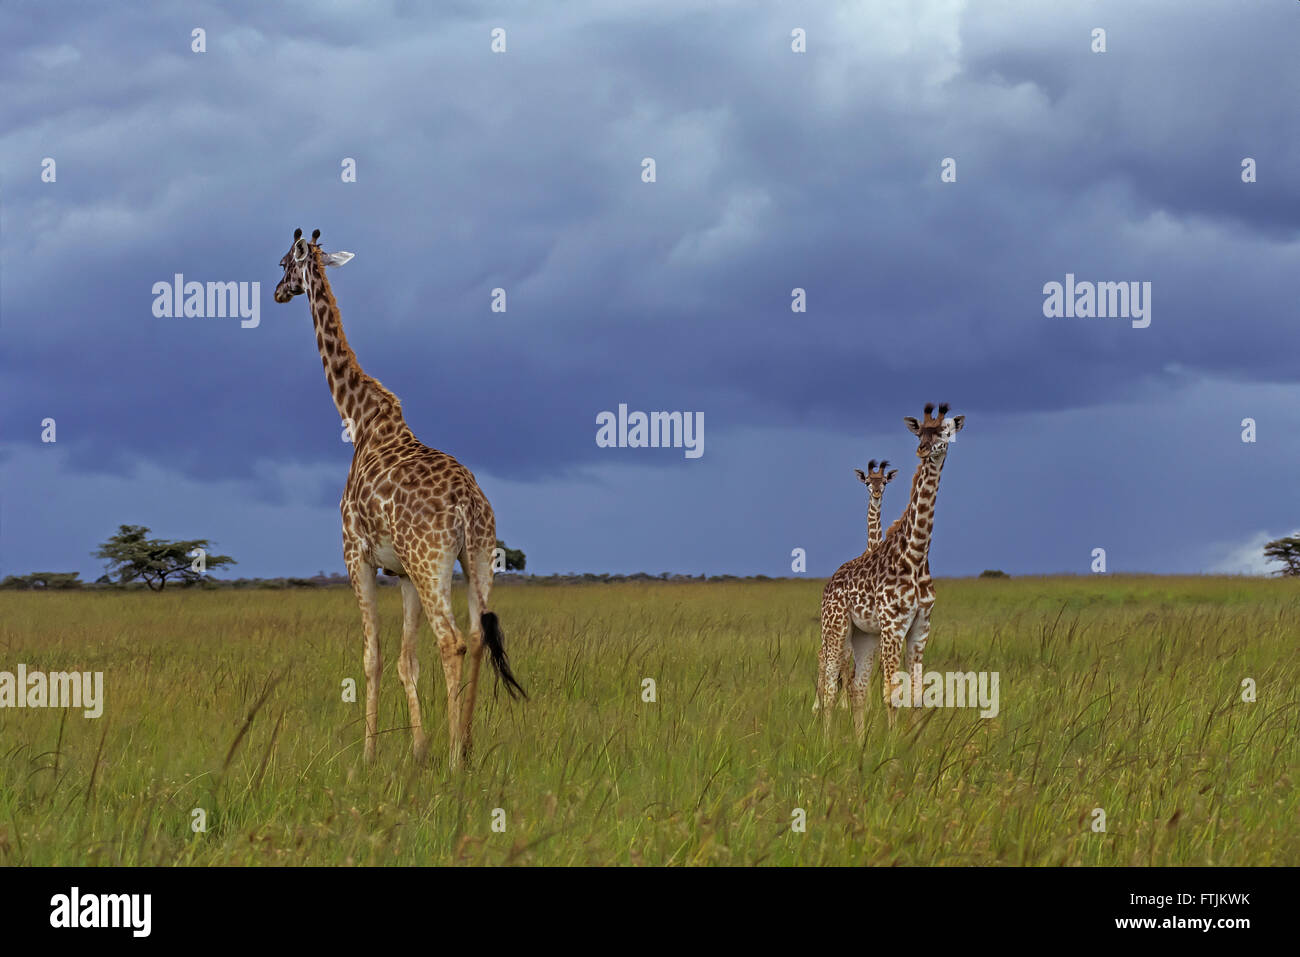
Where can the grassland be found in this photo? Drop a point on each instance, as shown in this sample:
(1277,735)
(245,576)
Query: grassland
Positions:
(1118,693)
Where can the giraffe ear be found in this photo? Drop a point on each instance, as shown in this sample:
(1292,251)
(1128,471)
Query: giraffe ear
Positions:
(890,476)
(958,422)
(913,426)
(337,259)
(861,476)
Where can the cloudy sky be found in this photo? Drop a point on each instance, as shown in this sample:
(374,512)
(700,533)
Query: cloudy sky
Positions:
(774,170)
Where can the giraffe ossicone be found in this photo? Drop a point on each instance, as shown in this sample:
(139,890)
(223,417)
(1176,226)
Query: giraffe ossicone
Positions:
(409,509)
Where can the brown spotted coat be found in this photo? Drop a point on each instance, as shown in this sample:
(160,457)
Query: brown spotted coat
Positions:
(881,600)
(408,509)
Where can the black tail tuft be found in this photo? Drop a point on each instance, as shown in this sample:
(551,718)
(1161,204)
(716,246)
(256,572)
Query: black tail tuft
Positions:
(497,650)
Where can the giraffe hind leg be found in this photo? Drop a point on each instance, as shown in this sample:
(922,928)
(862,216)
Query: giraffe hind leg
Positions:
(484,632)
(830,660)
(478,594)
(863,656)
(846,680)
(846,674)
(432,580)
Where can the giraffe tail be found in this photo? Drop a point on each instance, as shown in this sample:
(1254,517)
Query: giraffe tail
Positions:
(495,642)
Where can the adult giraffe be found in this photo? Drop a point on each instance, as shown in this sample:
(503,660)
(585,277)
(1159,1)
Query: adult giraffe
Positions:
(410,510)
(883,597)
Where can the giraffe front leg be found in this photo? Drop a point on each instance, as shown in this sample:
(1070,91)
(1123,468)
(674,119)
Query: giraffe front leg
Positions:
(362,576)
(891,650)
(408,668)
(917,635)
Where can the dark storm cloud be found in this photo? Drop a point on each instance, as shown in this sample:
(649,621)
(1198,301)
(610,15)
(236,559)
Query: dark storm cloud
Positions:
(819,171)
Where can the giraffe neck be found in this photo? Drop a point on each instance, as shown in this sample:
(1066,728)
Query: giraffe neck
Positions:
(909,537)
(873,521)
(362,402)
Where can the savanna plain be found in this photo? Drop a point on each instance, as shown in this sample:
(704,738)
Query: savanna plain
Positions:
(1124,694)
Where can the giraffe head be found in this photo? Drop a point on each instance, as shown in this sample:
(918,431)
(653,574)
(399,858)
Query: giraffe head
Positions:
(934,432)
(299,260)
(876,479)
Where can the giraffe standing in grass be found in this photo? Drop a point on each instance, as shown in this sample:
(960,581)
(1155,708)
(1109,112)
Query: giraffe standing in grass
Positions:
(410,510)
(881,600)
(875,481)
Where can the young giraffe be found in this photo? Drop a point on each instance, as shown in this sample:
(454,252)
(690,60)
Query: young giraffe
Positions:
(883,597)
(875,481)
(410,510)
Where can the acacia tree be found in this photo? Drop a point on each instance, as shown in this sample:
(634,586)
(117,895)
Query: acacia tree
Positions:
(515,559)
(133,556)
(1287,551)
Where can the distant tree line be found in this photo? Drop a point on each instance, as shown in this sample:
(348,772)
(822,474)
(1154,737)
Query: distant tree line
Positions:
(53,580)
(136,561)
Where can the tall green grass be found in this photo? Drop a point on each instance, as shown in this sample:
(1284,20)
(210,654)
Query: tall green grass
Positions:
(1123,694)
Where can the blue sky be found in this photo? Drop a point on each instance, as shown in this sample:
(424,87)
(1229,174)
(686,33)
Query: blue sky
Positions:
(774,170)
